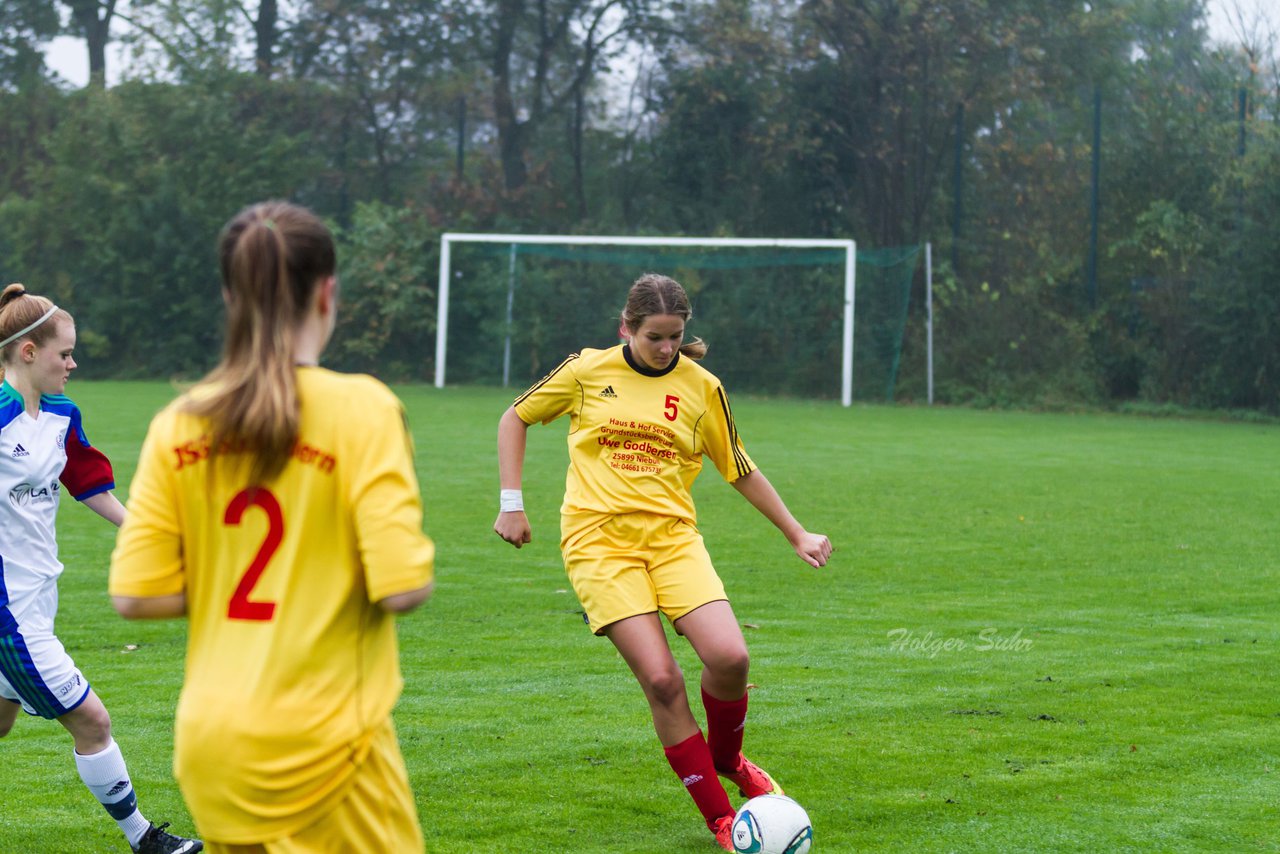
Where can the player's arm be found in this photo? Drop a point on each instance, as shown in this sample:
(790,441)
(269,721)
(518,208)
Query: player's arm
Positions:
(88,476)
(150,607)
(147,578)
(106,505)
(813,549)
(397,558)
(403,603)
(513,436)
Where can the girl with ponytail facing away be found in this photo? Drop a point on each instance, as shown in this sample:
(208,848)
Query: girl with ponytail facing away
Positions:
(276,506)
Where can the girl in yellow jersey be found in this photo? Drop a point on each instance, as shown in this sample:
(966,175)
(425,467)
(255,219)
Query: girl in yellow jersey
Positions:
(275,504)
(641,417)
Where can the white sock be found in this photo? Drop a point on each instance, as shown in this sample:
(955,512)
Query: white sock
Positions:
(108,779)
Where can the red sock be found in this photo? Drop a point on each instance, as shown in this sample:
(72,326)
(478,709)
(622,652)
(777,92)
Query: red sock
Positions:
(726,719)
(691,760)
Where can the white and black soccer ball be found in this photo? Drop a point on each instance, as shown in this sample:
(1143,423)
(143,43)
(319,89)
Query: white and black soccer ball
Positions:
(772,824)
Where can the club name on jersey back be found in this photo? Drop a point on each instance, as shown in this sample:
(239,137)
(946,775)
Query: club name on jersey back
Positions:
(197,450)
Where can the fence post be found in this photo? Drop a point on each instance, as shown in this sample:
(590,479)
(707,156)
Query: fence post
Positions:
(928,316)
(1092,285)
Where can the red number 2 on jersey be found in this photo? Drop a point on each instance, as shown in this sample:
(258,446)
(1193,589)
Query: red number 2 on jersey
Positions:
(241,607)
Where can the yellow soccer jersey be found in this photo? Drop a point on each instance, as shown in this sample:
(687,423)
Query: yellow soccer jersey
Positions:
(636,436)
(290,667)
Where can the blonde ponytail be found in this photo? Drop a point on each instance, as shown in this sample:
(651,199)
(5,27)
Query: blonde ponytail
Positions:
(272,257)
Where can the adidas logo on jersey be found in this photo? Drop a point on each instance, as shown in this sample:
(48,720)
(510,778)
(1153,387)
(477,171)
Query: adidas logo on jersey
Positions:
(19,451)
(608,392)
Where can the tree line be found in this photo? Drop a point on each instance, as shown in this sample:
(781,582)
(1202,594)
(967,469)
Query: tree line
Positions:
(1095,178)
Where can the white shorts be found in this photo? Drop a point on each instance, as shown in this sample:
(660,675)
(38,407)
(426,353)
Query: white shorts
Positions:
(35,669)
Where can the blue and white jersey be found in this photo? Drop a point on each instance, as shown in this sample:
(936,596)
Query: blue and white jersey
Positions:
(38,457)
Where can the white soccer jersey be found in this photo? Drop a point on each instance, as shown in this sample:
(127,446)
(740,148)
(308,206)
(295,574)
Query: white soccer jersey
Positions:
(37,457)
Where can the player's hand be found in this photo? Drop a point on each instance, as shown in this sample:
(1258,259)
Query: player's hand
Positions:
(813,549)
(513,527)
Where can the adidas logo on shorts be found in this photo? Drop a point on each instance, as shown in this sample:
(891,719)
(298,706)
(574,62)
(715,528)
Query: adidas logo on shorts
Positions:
(608,392)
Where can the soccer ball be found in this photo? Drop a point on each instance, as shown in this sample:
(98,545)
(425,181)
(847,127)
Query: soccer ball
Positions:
(772,824)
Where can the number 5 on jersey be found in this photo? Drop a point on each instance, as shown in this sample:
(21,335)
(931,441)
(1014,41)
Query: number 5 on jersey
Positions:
(241,607)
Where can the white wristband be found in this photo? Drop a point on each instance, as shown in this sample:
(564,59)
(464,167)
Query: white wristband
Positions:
(510,500)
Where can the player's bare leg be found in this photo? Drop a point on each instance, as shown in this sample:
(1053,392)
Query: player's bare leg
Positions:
(8,715)
(102,768)
(643,644)
(714,633)
(89,725)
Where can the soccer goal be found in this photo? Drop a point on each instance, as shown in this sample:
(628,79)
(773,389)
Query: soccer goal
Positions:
(787,250)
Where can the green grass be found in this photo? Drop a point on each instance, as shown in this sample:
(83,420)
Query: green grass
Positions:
(1125,568)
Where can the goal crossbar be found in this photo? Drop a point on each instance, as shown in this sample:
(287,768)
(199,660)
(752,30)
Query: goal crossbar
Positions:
(850,266)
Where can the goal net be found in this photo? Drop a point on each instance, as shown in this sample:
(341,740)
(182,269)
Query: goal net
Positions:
(796,317)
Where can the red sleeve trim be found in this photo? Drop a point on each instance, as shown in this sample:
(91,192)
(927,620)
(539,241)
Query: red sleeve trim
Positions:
(88,471)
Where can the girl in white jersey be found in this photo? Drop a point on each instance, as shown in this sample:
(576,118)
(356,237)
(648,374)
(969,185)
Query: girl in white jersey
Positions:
(43,449)
(642,416)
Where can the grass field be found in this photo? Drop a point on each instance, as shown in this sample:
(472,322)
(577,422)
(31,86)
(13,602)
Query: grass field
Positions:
(1038,633)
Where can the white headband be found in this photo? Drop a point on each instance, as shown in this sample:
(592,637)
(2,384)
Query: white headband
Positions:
(15,336)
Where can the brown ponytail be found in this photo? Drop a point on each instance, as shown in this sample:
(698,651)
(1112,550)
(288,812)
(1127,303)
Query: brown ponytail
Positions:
(272,257)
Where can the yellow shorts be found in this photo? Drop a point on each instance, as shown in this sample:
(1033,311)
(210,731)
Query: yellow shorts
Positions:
(377,816)
(640,563)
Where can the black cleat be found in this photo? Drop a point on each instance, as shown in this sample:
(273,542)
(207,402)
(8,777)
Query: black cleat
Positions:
(156,841)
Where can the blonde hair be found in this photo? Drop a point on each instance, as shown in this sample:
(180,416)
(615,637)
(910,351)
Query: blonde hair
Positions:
(20,309)
(654,294)
(272,256)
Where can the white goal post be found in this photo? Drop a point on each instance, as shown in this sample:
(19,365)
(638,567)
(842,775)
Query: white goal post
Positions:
(850,266)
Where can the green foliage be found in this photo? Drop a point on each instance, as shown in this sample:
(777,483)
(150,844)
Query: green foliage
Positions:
(1240,295)
(730,135)
(31,112)
(24,25)
(387,267)
(187,38)
(969,125)
(1006,348)
(124,211)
